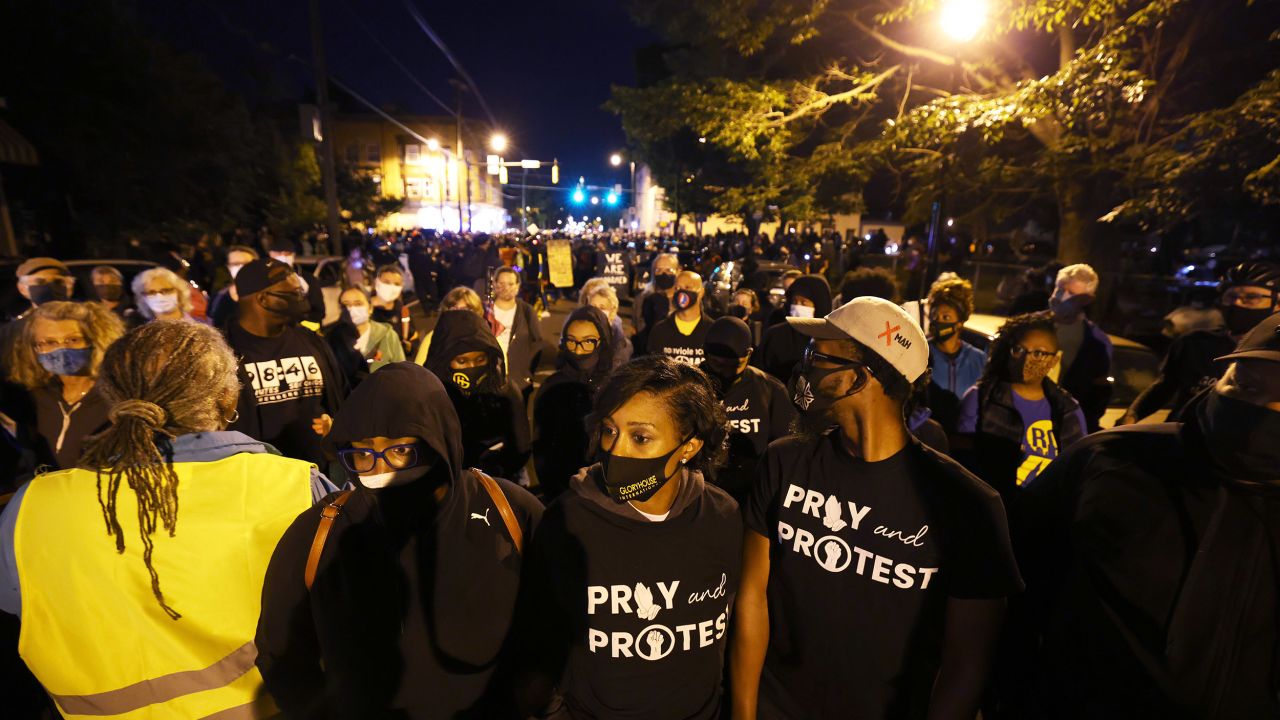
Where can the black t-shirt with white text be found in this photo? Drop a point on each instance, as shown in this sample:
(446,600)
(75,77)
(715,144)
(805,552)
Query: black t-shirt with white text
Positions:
(283,389)
(759,412)
(665,339)
(863,558)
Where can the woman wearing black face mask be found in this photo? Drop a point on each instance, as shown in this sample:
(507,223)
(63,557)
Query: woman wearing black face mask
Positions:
(560,435)
(956,364)
(466,357)
(405,609)
(1015,420)
(634,569)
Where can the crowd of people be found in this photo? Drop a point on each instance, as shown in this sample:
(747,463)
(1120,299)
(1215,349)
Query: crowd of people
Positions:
(230,503)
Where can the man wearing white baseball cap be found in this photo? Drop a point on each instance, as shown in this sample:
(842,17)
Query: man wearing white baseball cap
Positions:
(875,570)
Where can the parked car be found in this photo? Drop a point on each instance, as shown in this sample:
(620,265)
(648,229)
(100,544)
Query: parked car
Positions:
(1134,366)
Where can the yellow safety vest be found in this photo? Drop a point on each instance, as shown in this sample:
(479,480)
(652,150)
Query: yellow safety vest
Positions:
(93,632)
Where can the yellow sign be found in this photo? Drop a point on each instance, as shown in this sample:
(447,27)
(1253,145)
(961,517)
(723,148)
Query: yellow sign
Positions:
(560,262)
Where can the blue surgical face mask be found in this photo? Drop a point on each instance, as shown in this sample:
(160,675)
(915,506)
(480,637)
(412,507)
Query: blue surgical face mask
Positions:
(65,361)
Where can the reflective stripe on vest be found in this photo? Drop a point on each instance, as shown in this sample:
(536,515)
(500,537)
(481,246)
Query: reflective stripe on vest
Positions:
(93,633)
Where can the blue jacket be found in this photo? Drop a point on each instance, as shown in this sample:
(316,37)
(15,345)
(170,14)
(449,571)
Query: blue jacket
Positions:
(959,373)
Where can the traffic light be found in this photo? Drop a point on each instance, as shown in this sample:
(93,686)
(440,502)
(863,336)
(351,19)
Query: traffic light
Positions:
(555,172)
(579,197)
(611,199)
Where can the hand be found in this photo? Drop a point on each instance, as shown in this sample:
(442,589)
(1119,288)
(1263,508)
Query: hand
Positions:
(322,425)
(654,638)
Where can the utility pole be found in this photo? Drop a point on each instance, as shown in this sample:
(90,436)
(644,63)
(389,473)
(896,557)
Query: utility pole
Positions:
(327,172)
(458,148)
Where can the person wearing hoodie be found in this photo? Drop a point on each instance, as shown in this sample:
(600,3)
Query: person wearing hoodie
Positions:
(560,441)
(625,608)
(780,350)
(406,608)
(1150,560)
(466,357)
(757,405)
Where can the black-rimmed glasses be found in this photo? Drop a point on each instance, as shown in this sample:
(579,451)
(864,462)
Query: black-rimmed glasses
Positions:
(397,457)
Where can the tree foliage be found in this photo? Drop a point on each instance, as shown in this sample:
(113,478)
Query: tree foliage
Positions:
(1074,107)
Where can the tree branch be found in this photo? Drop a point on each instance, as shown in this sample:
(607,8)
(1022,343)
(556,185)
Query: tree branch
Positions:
(777,119)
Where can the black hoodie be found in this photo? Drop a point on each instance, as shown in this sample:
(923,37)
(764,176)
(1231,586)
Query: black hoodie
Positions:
(629,616)
(560,408)
(781,347)
(411,606)
(494,413)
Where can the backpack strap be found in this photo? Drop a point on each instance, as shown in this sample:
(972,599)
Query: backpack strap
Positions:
(327,516)
(504,508)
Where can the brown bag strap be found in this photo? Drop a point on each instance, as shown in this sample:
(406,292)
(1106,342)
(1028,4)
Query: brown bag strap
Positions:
(504,508)
(327,516)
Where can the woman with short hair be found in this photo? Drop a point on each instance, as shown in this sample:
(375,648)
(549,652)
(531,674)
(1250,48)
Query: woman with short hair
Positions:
(162,295)
(56,361)
(634,569)
(599,294)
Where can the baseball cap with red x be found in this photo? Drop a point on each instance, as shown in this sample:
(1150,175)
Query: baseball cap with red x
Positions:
(878,324)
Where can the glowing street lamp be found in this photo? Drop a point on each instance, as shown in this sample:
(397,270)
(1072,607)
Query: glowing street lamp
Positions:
(961,20)
(615,159)
(498,142)
(433,145)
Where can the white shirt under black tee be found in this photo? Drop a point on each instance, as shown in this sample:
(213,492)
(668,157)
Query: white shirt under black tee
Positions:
(863,558)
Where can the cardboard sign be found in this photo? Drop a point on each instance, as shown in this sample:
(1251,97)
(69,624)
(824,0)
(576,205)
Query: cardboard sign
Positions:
(560,262)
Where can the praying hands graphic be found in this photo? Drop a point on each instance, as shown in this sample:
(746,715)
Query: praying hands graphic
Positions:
(832,516)
(645,609)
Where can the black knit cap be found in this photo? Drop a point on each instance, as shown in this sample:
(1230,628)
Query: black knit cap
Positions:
(260,275)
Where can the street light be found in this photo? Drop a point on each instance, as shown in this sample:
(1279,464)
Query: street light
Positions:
(615,159)
(433,145)
(962,19)
(498,142)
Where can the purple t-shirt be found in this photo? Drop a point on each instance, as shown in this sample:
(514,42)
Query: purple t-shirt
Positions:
(1039,444)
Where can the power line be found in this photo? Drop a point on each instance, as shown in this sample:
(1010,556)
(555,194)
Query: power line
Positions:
(408,73)
(417,17)
(376,109)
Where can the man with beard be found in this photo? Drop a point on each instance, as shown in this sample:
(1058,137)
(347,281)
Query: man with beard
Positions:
(290,382)
(1250,292)
(286,251)
(518,331)
(875,570)
(1150,552)
(756,404)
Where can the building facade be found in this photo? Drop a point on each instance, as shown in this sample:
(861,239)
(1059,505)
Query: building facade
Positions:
(441,177)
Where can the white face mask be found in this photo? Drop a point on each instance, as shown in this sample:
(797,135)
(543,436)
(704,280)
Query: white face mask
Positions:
(388,479)
(801,311)
(287,259)
(161,304)
(359,314)
(387,293)
(234,270)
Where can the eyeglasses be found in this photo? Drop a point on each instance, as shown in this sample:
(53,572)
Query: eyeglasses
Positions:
(73,343)
(1018,351)
(811,356)
(1238,296)
(587,344)
(362,460)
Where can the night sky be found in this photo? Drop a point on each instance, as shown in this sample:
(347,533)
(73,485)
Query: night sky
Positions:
(543,66)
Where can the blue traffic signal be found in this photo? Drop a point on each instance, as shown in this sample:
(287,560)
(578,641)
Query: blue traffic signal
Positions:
(579,197)
(611,199)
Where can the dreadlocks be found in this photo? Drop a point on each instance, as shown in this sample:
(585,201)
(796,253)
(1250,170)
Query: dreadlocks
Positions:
(1010,334)
(161,380)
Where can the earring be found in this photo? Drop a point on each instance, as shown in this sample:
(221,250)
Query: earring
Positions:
(235,415)
(684,461)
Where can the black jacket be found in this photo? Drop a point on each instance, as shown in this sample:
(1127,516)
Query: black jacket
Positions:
(997,444)
(525,347)
(781,347)
(414,595)
(1088,378)
(1151,584)
(492,415)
